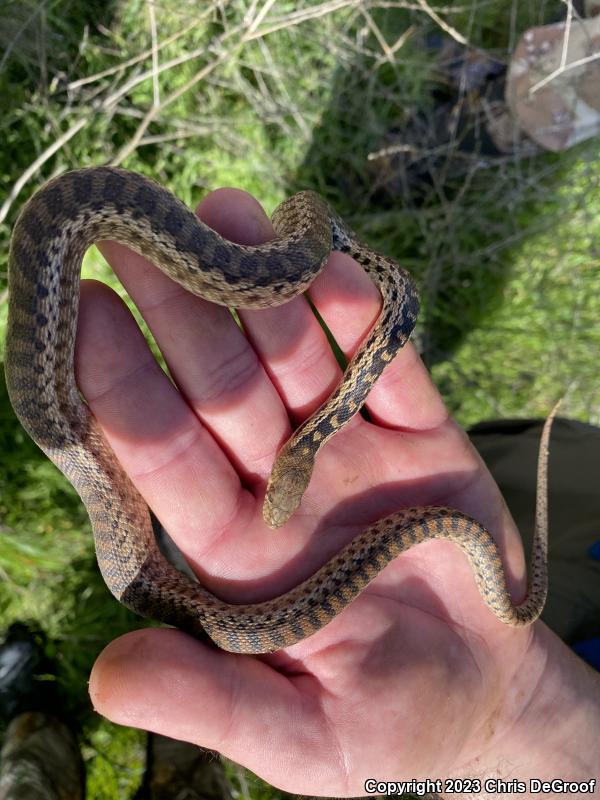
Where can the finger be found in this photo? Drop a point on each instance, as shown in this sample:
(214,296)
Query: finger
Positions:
(175,463)
(296,354)
(349,302)
(164,681)
(405,397)
(288,341)
(211,360)
(172,459)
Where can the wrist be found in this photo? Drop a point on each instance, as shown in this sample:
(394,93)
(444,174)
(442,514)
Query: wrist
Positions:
(552,729)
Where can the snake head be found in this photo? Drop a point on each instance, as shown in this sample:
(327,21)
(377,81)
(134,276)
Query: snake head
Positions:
(285,488)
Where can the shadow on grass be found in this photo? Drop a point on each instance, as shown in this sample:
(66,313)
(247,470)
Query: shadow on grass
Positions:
(47,557)
(48,563)
(406,159)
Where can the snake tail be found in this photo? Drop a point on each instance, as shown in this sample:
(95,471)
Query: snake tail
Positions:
(49,240)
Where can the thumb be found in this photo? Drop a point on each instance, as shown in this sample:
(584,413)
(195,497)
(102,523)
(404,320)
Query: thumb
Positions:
(164,681)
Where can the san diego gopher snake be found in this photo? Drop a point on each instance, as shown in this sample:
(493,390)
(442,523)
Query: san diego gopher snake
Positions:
(50,237)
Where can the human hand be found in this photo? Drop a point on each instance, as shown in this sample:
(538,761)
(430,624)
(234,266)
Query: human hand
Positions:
(416,678)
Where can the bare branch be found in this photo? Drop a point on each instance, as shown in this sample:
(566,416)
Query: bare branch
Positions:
(155,84)
(39,161)
(443,25)
(559,70)
(131,62)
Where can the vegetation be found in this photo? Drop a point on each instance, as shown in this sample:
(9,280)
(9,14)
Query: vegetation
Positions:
(345,98)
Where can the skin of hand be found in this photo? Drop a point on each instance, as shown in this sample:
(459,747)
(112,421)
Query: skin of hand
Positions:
(417,678)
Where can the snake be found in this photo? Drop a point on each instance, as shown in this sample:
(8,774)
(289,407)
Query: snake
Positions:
(52,232)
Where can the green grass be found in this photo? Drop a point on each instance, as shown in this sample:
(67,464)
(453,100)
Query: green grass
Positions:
(505,250)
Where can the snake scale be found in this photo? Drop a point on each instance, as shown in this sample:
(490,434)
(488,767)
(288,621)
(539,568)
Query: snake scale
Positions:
(50,237)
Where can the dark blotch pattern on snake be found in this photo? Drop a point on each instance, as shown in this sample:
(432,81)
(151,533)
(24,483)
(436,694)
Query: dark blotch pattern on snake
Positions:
(50,237)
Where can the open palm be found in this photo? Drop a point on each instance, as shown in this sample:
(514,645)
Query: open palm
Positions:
(412,679)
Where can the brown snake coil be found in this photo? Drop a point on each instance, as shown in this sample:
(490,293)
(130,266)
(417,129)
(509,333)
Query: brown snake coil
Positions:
(50,237)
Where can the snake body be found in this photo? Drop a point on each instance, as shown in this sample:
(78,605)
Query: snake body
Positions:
(50,237)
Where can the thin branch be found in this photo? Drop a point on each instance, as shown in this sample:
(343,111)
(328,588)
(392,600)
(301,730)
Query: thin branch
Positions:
(149,73)
(255,22)
(298,17)
(442,23)
(375,30)
(131,62)
(403,38)
(567,36)
(40,160)
(153,112)
(248,34)
(155,84)
(559,70)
